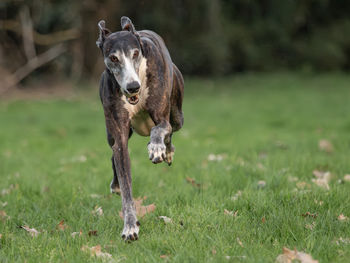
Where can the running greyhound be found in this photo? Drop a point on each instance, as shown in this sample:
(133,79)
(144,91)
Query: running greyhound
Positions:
(141,90)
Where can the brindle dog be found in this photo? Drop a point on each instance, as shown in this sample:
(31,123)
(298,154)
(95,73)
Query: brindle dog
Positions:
(141,90)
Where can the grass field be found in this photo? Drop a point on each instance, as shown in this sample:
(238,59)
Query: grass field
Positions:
(55,165)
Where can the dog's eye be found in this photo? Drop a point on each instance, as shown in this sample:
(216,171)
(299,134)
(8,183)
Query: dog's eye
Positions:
(136,54)
(113,58)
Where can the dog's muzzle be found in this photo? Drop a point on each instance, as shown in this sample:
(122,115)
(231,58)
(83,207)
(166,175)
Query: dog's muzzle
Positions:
(133,89)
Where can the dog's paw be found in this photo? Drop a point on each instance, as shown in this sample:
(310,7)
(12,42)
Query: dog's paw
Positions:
(156,152)
(169,155)
(131,232)
(115,189)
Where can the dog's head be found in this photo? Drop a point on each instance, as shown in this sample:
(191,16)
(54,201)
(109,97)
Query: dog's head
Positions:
(122,52)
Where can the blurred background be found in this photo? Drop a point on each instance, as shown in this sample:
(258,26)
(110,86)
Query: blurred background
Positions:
(46,40)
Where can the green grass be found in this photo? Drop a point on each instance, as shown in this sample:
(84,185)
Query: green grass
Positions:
(267,127)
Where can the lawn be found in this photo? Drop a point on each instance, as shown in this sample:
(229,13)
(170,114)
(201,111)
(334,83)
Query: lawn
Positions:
(250,143)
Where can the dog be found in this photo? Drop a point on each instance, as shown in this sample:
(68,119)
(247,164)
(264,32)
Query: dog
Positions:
(141,90)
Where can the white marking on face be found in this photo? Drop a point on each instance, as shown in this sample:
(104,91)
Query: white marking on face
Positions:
(140,120)
(143,93)
(126,70)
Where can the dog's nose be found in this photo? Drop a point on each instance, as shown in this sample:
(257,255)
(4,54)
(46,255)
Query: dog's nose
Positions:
(133,87)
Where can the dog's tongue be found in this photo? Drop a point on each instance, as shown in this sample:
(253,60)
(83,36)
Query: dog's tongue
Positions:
(133,99)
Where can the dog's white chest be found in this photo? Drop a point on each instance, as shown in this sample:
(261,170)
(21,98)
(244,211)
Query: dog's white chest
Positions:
(140,120)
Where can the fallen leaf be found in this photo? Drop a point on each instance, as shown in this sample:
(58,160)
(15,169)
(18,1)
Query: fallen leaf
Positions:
(261,167)
(164,256)
(95,196)
(263,220)
(341,240)
(32,231)
(92,233)
(235,197)
(213,251)
(96,251)
(10,189)
(239,242)
(61,225)
(97,211)
(347,177)
(325,146)
(310,226)
(3,215)
(302,185)
(0,236)
(193,182)
(342,217)
(81,159)
(140,209)
(290,256)
(292,178)
(165,219)
(308,214)
(261,184)
(216,157)
(231,213)
(318,202)
(322,178)
(76,233)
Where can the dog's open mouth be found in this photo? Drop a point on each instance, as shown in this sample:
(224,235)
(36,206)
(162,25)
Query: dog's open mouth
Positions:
(133,99)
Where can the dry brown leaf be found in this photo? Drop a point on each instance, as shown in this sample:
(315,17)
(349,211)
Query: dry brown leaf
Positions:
(325,146)
(140,209)
(10,189)
(92,233)
(216,157)
(322,178)
(193,182)
(32,231)
(164,256)
(61,225)
(231,213)
(96,251)
(347,177)
(290,256)
(342,217)
(213,251)
(261,184)
(166,219)
(95,196)
(239,242)
(3,216)
(310,226)
(261,167)
(308,214)
(263,220)
(341,240)
(97,211)
(0,236)
(302,185)
(292,179)
(318,202)
(235,197)
(77,233)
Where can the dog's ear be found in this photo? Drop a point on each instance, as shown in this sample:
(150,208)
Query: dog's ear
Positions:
(127,25)
(104,32)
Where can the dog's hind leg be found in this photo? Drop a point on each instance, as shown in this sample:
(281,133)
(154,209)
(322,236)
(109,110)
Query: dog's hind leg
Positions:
(176,115)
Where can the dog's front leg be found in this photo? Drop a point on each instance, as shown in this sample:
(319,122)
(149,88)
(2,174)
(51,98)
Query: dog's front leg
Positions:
(122,165)
(160,136)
